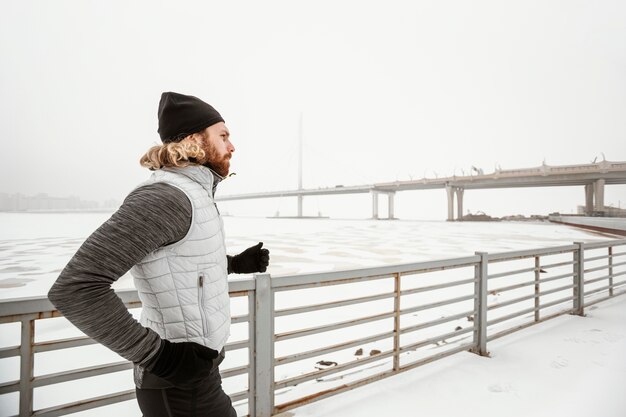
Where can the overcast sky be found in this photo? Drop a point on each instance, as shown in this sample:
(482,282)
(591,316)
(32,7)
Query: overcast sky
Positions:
(389,90)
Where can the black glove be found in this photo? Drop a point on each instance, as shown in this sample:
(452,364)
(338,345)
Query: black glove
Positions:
(253,259)
(182,364)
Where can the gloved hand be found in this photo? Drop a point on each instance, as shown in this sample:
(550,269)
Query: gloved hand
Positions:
(253,259)
(183,364)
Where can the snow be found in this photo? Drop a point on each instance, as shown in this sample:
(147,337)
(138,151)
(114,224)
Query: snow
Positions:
(30,263)
(34,247)
(566,367)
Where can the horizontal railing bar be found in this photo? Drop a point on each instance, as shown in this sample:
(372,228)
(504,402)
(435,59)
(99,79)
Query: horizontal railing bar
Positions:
(16,318)
(58,377)
(595,258)
(240,319)
(10,386)
(513,287)
(525,325)
(328,327)
(510,302)
(554,278)
(238,396)
(512,316)
(597,268)
(9,352)
(615,285)
(599,300)
(508,256)
(280,409)
(615,265)
(230,372)
(439,304)
(87,404)
(435,339)
(332,304)
(330,283)
(618,274)
(529,283)
(604,244)
(334,348)
(514,272)
(43,308)
(364,381)
(437,322)
(556,302)
(528,310)
(557,264)
(239,284)
(449,352)
(553,290)
(329,371)
(590,292)
(437,287)
(593,281)
(51,345)
(380,272)
(243,344)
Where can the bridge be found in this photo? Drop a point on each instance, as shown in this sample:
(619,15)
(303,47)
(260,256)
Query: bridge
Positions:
(593,177)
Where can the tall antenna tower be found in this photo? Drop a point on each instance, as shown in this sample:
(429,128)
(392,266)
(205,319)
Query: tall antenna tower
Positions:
(300,198)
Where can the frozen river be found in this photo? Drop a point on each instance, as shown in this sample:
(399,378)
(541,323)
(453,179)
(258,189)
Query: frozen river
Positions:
(34,247)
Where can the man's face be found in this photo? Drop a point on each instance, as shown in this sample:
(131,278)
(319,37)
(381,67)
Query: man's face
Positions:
(218,148)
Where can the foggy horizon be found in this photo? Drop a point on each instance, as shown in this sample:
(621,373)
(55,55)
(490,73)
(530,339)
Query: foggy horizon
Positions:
(388,92)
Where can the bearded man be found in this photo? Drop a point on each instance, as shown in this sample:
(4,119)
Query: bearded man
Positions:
(169,234)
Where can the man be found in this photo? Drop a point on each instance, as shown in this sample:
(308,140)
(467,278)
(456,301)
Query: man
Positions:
(169,231)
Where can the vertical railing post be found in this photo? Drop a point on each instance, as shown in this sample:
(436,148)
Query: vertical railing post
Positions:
(579,280)
(252,353)
(396,323)
(537,271)
(264,346)
(26,367)
(480,305)
(610,271)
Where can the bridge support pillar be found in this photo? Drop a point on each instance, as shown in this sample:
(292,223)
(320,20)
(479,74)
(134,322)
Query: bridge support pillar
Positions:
(599,194)
(588,199)
(300,198)
(390,199)
(459,197)
(450,192)
(374,204)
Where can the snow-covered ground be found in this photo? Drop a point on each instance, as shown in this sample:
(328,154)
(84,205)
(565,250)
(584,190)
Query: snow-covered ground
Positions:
(567,367)
(34,248)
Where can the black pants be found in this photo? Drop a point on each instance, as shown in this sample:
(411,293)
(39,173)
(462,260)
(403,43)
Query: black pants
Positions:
(206,399)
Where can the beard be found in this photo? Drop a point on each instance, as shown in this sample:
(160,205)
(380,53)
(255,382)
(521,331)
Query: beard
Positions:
(219,163)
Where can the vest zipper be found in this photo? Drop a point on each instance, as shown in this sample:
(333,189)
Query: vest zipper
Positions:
(201,302)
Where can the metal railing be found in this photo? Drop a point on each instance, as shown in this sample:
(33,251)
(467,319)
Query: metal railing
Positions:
(404,314)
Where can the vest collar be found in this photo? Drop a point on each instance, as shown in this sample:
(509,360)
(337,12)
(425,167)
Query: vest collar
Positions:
(201,174)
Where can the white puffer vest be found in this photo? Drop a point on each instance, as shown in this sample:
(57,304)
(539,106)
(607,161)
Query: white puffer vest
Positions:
(184,286)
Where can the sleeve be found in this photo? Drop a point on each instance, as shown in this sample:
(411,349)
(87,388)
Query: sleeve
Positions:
(229,261)
(150,217)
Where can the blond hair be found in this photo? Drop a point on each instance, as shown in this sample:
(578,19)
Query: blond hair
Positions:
(174,154)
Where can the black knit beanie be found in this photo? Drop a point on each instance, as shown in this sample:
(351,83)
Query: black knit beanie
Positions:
(181,115)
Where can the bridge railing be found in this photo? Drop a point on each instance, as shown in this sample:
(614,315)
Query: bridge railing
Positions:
(306,337)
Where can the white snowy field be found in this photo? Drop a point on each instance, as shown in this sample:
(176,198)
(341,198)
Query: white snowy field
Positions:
(34,248)
(570,366)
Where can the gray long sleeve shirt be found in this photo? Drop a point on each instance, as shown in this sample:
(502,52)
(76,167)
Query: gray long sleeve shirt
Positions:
(150,217)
